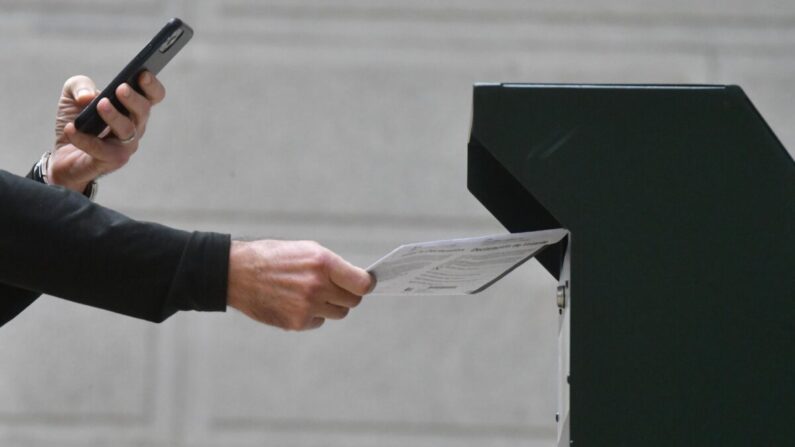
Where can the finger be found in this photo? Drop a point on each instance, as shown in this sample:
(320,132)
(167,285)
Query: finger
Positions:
(136,103)
(315,323)
(152,88)
(341,297)
(332,312)
(87,143)
(80,88)
(120,125)
(349,277)
(107,157)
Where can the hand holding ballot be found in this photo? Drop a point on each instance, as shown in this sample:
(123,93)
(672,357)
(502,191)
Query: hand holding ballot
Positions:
(298,285)
(293,285)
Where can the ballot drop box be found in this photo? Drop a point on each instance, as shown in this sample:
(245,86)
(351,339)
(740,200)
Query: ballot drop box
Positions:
(676,297)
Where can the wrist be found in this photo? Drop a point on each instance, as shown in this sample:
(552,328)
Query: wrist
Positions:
(238,252)
(57,176)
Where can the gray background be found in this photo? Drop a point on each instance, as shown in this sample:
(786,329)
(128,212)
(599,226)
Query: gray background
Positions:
(342,121)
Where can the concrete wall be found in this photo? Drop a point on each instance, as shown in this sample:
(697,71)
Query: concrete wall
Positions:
(343,121)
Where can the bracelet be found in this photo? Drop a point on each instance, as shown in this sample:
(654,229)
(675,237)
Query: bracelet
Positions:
(91,190)
(41,168)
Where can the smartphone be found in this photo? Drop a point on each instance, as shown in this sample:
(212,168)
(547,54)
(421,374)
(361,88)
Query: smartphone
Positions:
(154,56)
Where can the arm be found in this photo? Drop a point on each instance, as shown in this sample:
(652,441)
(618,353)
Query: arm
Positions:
(14,300)
(55,241)
(78,159)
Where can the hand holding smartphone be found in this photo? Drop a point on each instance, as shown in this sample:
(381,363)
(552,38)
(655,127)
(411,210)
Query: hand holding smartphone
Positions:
(153,57)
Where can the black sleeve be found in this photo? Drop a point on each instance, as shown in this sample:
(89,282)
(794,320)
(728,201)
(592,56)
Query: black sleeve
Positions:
(14,300)
(56,241)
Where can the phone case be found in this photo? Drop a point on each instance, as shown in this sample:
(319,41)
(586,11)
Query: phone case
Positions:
(153,57)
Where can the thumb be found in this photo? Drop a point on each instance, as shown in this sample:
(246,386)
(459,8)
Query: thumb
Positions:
(350,277)
(81,89)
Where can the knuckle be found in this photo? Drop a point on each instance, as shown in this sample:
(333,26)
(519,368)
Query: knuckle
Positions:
(68,83)
(311,245)
(318,257)
(155,91)
(129,127)
(109,113)
(74,80)
(313,286)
